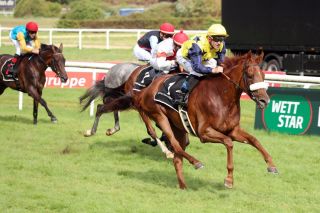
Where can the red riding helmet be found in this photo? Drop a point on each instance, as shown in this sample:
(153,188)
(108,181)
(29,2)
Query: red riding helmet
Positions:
(180,37)
(167,28)
(32,26)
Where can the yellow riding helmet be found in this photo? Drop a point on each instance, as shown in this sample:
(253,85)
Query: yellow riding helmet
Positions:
(217,30)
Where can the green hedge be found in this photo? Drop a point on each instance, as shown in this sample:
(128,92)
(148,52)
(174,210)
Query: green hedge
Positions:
(83,10)
(37,8)
(184,23)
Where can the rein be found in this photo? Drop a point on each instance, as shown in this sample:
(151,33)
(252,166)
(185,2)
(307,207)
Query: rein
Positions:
(252,87)
(52,64)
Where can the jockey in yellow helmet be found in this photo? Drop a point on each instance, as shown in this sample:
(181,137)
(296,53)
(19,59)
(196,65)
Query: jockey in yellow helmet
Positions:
(203,55)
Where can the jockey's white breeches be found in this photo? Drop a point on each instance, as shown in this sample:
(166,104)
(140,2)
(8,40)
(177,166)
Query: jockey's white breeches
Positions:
(141,53)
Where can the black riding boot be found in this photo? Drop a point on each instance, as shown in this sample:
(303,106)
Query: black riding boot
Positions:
(180,100)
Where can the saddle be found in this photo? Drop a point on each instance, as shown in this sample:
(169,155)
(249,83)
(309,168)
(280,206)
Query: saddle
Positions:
(170,91)
(145,78)
(167,93)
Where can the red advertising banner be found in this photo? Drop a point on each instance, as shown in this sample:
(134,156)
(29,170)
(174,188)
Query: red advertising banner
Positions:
(75,79)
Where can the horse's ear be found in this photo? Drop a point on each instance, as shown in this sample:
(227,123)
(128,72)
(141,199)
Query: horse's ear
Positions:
(43,46)
(61,47)
(52,47)
(249,55)
(259,58)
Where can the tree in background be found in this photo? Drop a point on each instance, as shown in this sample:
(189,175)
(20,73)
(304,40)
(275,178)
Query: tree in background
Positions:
(37,8)
(199,8)
(84,9)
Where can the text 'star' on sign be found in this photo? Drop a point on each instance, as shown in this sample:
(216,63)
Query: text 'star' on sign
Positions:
(291,110)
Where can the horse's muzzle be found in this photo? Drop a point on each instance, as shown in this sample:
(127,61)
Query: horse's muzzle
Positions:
(262,103)
(63,79)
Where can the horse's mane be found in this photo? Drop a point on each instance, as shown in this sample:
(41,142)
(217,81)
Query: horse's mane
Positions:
(45,47)
(230,62)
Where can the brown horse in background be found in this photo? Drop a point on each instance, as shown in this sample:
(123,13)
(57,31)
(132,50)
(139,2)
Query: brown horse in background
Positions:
(213,109)
(31,75)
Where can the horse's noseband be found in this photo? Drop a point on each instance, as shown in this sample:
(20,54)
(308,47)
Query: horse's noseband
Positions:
(252,87)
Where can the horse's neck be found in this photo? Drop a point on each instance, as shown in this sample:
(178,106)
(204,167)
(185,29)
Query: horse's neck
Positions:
(39,63)
(235,74)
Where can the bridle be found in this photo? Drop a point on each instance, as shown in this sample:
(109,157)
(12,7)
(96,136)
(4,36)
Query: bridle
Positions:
(252,87)
(52,64)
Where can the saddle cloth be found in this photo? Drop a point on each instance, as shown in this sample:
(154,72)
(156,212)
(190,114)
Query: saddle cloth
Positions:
(168,91)
(6,76)
(145,78)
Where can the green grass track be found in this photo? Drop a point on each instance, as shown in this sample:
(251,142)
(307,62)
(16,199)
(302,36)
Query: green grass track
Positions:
(53,168)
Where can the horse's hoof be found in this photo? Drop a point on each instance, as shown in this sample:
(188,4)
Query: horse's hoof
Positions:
(228,184)
(169,155)
(87,133)
(149,142)
(110,132)
(183,187)
(199,165)
(54,120)
(273,170)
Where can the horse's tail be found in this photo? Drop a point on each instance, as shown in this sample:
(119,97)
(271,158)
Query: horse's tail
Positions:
(92,93)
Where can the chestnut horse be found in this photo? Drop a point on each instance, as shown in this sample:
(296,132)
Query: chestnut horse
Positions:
(31,76)
(213,109)
(126,75)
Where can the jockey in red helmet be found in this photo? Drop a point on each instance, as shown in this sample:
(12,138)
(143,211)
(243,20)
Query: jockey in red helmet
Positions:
(25,39)
(164,56)
(147,43)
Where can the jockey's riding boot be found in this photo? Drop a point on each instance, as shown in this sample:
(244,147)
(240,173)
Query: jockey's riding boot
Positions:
(180,100)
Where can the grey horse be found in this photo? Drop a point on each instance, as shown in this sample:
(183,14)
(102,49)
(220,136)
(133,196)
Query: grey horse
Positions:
(110,88)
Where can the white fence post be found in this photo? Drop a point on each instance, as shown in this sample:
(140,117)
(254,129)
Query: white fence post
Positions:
(20,100)
(50,36)
(80,39)
(108,39)
(94,77)
(138,35)
(0,35)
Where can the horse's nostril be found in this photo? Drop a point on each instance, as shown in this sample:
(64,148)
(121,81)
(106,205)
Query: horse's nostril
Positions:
(263,103)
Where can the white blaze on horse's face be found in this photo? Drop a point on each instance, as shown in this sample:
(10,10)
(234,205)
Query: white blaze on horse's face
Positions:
(257,86)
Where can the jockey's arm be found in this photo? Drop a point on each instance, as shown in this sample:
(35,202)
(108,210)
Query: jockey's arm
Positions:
(183,62)
(153,43)
(37,43)
(23,44)
(160,62)
(195,56)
